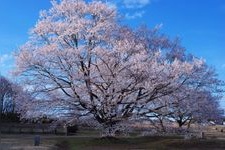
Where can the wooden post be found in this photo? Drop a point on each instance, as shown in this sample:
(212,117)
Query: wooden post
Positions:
(37,140)
(202,135)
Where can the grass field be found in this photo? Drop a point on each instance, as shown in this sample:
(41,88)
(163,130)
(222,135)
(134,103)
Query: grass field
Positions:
(13,142)
(140,143)
(91,140)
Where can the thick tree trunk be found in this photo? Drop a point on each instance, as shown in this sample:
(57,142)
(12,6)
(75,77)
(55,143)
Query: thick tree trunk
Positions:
(112,129)
(162,125)
(109,131)
(180,123)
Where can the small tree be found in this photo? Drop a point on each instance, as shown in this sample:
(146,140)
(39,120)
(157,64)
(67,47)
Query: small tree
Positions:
(14,100)
(196,101)
(6,93)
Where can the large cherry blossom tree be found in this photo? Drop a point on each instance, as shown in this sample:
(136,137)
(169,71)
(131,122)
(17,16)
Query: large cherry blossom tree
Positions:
(85,63)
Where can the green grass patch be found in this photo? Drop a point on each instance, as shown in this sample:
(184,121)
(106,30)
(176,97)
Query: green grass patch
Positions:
(139,143)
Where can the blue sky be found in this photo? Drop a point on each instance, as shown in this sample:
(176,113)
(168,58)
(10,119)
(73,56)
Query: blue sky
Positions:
(199,23)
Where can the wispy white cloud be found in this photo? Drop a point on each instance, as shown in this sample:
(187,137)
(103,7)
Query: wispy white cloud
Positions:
(5,58)
(129,4)
(137,14)
(133,8)
(112,4)
(6,63)
(136,3)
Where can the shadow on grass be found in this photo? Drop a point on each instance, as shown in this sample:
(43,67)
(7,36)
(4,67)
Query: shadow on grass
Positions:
(63,145)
